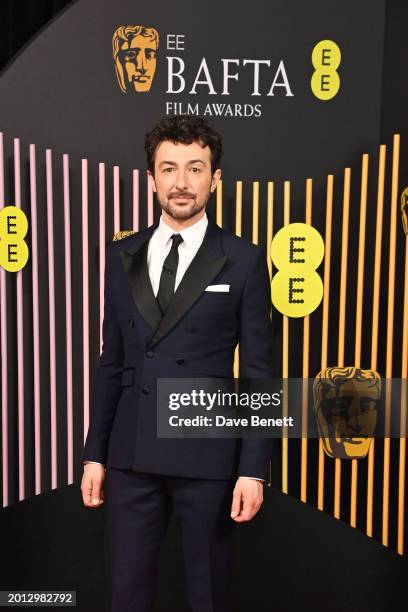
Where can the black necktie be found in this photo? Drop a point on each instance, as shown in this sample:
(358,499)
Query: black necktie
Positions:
(168,275)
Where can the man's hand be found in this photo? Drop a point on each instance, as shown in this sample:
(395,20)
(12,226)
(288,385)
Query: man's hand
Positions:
(247,498)
(91,485)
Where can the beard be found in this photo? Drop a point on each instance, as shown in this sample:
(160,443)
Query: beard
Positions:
(185,211)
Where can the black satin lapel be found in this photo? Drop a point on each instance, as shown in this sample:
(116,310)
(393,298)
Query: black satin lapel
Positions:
(135,266)
(202,270)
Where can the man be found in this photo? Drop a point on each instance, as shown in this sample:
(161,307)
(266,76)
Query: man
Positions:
(162,319)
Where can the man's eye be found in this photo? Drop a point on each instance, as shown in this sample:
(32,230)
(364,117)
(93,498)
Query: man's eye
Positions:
(168,170)
(195,170)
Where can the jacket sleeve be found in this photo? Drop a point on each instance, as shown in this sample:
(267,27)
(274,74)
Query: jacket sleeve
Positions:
(256,355)
(106,388)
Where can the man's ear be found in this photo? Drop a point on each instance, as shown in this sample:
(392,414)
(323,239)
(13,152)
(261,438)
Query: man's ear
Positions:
(215,178)
(151,177)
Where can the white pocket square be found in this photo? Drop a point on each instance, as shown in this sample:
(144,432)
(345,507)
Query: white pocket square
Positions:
(218,288)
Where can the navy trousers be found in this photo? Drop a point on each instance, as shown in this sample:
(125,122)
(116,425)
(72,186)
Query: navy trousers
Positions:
(138,506)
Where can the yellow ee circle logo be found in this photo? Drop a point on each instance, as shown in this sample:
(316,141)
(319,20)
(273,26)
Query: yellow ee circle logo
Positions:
(297,250)
(13,248)
(326,58)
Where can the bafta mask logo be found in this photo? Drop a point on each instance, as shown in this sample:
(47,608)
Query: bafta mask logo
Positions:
(134,54)
(404,209)
(345,408)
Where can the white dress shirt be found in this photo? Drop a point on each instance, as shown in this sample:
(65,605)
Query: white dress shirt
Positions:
(160,245)
(158,249)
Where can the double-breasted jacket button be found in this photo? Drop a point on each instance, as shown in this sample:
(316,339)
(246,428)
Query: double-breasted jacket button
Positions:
(146,390)
(131,323)
(149,353)
(180,360)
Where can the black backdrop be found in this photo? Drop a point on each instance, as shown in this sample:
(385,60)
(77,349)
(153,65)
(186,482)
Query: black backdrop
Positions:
(20,20)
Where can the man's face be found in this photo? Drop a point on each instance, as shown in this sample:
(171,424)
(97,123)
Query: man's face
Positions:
(183,179)
(139,62)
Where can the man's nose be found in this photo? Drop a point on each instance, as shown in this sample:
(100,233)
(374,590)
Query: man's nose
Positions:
(181,181)
(141,61)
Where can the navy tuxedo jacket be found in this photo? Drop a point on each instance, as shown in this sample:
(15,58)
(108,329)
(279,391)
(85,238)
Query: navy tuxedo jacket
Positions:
(196,337)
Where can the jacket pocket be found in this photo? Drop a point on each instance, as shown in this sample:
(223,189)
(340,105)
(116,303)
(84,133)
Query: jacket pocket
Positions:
(218,295)
(128,377)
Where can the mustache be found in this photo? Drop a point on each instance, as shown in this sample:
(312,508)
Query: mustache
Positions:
(181,194)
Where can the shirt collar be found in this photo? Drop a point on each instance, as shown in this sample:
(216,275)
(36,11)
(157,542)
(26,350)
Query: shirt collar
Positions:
(191,235)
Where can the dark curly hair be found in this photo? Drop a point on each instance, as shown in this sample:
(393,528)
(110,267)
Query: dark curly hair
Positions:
(185,129)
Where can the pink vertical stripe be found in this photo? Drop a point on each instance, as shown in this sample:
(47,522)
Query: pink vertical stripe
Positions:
(36,322)
(116,199)
(17,181)
(68,320)
(51,302)
(85,294)
(20,337)
(149,201)
(4,360)
(136,200)
(102,234)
